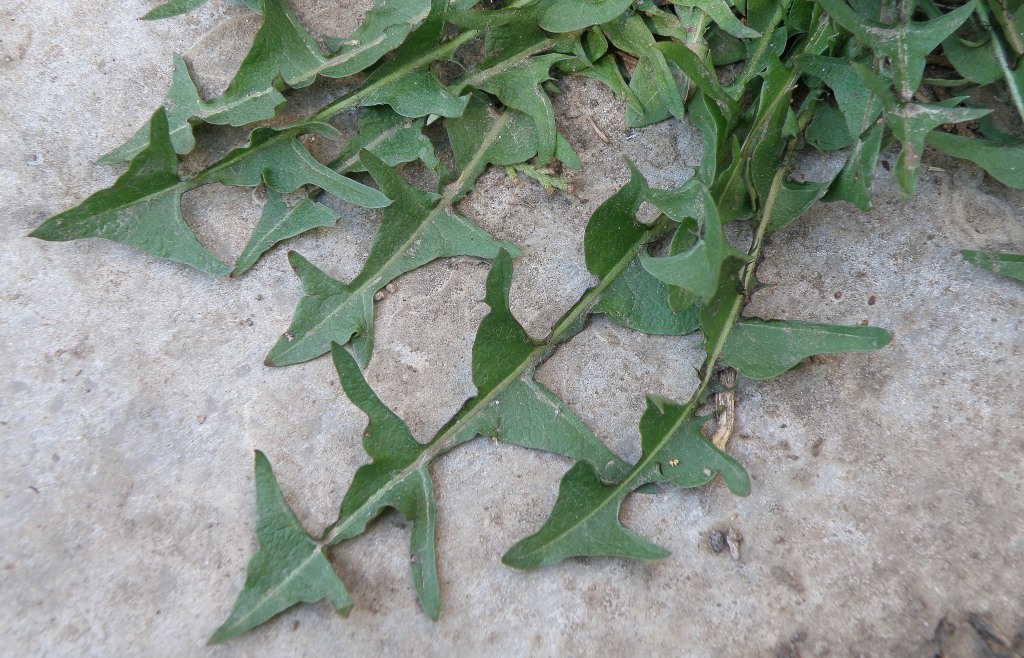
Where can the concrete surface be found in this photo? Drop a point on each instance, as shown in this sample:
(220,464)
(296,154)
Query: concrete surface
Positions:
(887,487)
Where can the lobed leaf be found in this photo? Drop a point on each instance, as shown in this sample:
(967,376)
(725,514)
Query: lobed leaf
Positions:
(519,88)
(905,44)
(637,300)
(141,209)
(178,7)
(572,15)
(482,136)
(388,135)
(183,105)
(398,477)
(416,229)
(629,34)
(584,520)
(281,47)
(910,124)
(290,567)
(280,221)
(277,157)
(692,265)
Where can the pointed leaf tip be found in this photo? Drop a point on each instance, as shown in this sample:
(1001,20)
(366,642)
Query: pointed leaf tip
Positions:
(289,567)
(141,209)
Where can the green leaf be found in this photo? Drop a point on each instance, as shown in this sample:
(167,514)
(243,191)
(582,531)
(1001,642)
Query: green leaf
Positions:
(391,137)
(703,77)
(417,228)
(519,88)
(910,124)
(290,567)
(285,165)
(1011,265)
(639,301)
(141,209)
(281,47)
(281,221)
(184,105)
(860,107)
(606,71)
(973,61)
(905,44)
(714,129)
(1004,162)
(678,453)
(483,136)
(827,130)
(762,350)
(631,35)
(584,521)
(406,83)
(854,182)
(572,15)
(510,405)
(697,269)
(645,88)
(721,12)
(178,7)
(383,29)
(613,230)
(398,477)
(788,200)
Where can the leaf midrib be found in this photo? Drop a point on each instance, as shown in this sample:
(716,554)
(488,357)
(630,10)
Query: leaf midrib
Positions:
(371,284)
(448,437)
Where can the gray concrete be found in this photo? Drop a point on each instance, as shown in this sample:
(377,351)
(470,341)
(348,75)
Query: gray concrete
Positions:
(886,487)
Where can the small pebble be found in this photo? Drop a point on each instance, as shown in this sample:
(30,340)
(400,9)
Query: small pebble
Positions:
(733,539)
(717,541)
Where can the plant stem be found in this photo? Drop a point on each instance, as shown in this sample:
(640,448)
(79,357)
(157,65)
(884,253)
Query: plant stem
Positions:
(453,433)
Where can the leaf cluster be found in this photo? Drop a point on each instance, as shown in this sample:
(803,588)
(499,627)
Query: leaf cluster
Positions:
(763,81)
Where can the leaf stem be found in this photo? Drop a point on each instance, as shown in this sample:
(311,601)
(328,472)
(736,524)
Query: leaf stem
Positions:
(453,432)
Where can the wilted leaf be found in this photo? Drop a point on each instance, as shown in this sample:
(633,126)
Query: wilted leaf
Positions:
(762,350)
